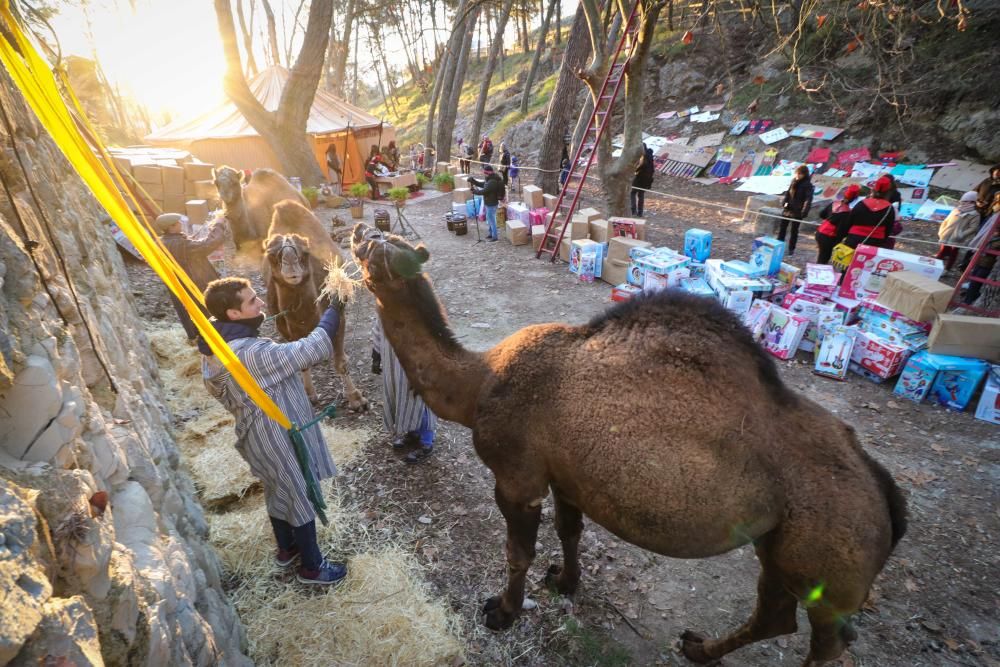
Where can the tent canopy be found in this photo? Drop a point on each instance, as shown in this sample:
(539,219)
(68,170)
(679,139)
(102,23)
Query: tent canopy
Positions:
(327,116)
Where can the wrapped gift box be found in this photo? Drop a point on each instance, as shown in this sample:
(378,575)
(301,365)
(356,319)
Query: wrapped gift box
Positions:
(698,244)
(915,296)
(538,216)
(957,381)
(767,253)
(834,352)
(988,408)
(869,267)
(518,211)
(877,356)
(783,332)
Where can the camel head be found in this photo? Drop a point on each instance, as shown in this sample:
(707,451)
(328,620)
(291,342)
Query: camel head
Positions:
(386,260)
(288,256)
(229,183)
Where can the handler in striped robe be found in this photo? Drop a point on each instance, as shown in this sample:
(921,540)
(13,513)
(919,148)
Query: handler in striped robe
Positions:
(406,417)
(263,443)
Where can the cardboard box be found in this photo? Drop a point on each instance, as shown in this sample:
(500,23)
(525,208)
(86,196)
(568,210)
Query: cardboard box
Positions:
(955,385)
(122,164)
(783,332)
(564,249)
(579,228)
(877,356)
(452,169)
(767,254)
(442,168)
(196,211)
(189,189)
(834,353)
(698,244)
(599,230)
(173,180)
(205,190)
(198,171)
(914,295)
(461,195)
(989,403)
(617,260)
(517,232)
(152,191)
(870,265)
(537,234)
(532,195)
(624,292)
(966,336)
(549,201)
(147,173)
(589,214)
(742,269)
(175,203)
(581,248)
(629,227)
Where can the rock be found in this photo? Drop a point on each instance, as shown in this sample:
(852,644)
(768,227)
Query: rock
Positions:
(33,402)
(679,79)
(66,635)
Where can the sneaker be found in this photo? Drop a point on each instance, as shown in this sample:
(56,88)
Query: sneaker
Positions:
(492,239)
(284,558)
(419,455)
(327,574)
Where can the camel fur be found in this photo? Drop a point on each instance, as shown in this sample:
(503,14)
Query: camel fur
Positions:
(296,253)
(249,206)
(712,451)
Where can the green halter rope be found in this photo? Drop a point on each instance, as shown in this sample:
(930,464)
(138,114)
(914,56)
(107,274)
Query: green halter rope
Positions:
(313,491)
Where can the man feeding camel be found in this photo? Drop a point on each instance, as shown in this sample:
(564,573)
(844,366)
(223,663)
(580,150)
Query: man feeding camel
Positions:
(263,443)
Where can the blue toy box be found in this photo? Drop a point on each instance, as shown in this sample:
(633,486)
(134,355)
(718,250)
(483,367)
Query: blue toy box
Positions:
(767,254)
(917,376)
(698,244)
(957,382)
(741,269)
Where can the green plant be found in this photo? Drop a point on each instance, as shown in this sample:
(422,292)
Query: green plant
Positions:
(359,190)
(311,194)
(444,180)
(422,180)
(399,195)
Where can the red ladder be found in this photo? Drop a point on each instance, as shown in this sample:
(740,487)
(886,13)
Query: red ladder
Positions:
(983,249)
(600,118)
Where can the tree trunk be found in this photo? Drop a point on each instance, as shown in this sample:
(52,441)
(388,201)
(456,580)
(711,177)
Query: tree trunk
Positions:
(444,67)
(989,297)
(343,50)
(558,22)
(526,44)
(491,63)
(446,127)
(455,55)
(562,103)
(583,120)
(533,70)
(272,34)
(285,128)
(247,40)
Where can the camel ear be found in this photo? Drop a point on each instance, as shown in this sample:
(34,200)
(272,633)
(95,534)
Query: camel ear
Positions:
(422,253)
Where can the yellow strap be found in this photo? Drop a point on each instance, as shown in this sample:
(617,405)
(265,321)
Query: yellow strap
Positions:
(33,77)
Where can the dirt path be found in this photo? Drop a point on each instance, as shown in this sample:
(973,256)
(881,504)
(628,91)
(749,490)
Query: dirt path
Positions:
(935,603)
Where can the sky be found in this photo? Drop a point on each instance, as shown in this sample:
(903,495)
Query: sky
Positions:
(167,53)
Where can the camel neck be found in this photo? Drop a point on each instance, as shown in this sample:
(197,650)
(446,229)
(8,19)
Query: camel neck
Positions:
(444,374)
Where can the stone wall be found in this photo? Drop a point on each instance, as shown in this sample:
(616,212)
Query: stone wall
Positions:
(103,547)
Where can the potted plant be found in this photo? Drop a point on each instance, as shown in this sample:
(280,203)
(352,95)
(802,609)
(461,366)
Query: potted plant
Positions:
(445,182)
(398,195)
(312,196)
(422,180)
(358,192)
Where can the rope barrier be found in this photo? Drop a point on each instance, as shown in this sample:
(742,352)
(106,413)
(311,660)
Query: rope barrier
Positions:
(725,207)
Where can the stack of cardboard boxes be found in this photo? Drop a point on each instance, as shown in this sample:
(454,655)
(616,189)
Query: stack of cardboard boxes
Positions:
(168,180)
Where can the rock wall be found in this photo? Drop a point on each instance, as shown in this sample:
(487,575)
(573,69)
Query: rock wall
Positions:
(103,547)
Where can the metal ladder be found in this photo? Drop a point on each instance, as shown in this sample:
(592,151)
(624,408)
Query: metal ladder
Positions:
(983,249)
(600,118)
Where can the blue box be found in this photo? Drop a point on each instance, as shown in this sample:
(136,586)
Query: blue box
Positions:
(767,254)
(741,269)
(698,244)
(957,382)
(470,208)
(917,377)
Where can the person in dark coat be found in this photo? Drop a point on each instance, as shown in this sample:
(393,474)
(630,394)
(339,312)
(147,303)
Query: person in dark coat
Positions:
(872,219)
(796,203)
(643,179)
(486,150)
(987,190)
(505,164)
(492,191)
(564,166)
(192,256)
(836,217)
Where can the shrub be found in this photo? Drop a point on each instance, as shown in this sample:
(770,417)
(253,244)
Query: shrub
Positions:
(444,180)
(399,195)
(359,190)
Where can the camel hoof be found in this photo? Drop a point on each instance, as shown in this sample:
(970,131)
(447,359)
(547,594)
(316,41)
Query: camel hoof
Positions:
(494,617)
(357,402)
(555,579)
(693,647)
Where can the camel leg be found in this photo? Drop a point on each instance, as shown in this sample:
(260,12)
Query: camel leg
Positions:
(774,616)
(831,633)
(308,382)
(355,399)
(522,518)
(569,525)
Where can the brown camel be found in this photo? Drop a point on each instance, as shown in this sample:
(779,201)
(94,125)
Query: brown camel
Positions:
(710,452)
(249,206)
(296,253)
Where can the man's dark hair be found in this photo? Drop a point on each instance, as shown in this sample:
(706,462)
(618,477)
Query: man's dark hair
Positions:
(223,294)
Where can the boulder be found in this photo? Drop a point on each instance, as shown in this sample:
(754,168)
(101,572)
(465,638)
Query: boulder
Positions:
(67,635)
(679,79)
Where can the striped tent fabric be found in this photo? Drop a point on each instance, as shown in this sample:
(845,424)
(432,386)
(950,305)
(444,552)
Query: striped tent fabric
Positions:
(402,409)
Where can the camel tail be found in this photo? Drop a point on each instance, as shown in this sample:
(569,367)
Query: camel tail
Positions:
(893,496)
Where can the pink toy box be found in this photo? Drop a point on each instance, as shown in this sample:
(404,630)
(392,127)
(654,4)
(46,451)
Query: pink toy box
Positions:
(624,292)
(870,266)
(783,332)
(882,359)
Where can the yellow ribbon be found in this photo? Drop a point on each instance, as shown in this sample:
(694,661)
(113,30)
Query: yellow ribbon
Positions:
(38,85)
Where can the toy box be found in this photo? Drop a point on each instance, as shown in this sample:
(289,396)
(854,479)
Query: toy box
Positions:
(819,315)
(917,377)
(788,274)
(538,216)
(756,317)
(891,326)
(989,403)
(587,266)
(820,280)
(628,227)
(783,332)
(834,352)
(624,292)
(957,381)
(697,269)
(616,261)
(850,308)
(581,248)
(878,356)
(857,368)
(742,269)
(696,285)
(518,211)
(662,261)
(738,301)
(655,281)
(698,244)
(767,254)
(870,265)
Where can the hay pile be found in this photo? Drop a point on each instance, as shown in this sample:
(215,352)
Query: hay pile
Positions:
(382,614)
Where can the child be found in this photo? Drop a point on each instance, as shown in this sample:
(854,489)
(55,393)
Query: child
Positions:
(408,420)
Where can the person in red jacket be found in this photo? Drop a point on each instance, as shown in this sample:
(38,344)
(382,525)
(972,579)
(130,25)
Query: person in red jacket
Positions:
(836,216)
(872,218)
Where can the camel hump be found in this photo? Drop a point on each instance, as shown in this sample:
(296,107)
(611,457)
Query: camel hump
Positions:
(267,185)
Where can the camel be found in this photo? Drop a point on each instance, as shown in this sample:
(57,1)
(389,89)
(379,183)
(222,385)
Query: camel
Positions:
(249,206)
(297,251)
(701,449)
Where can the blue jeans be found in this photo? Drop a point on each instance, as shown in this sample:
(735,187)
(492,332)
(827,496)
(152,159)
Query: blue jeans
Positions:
(304,537)
(491,220)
